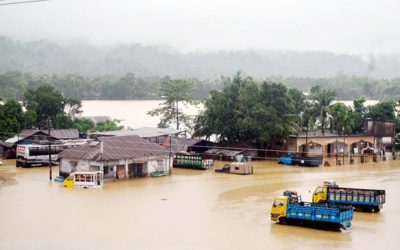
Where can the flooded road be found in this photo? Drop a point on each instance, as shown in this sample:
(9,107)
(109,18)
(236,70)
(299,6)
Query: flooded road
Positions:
(188,210)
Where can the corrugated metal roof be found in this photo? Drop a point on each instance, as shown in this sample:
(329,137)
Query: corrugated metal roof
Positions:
(225,152)
(97,119)
(65,133)
(56,133)
(180,144)
(144,132)
(115,148)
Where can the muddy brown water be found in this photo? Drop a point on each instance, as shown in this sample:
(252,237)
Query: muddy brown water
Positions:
(188,210)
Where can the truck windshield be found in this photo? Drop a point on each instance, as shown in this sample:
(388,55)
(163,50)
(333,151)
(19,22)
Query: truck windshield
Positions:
(278,203)
(319,190)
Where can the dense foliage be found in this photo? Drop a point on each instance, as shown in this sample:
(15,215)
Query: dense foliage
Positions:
(247,111)
(46,108)
(14,84)
(45,57)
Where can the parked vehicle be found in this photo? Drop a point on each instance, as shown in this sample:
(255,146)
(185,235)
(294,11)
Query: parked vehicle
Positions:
(191,161)
(298,159)
(29,155)
(366,200)
(85,180)
(236,168)
(59,179)
(289,209)
(158,174)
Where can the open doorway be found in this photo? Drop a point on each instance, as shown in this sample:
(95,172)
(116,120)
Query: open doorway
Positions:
(135,170)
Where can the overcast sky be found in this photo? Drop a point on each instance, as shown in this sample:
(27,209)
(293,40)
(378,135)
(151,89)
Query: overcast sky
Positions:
(343,26)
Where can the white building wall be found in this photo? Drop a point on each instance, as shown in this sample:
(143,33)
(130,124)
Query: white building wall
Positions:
(156,165)
(68,166)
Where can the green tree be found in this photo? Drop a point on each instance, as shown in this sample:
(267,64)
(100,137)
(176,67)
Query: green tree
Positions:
(83,125)
(322,99)
(385,110)
(176,93)
(341,118)
(108,126)
(246,111)
(11,118)
(45,103)
(358,114)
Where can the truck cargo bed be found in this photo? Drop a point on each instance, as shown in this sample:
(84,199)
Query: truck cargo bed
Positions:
(320,215)
(363,199)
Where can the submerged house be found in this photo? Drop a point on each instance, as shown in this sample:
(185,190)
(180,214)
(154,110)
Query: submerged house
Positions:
(119,157)
(377,137)
(155,135)
(34,136)
(192,146)
(329,144)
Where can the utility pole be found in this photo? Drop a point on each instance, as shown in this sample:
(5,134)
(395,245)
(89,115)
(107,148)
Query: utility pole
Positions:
(169,156)
(49,129)
(177,115)
(344,143)
(336,153)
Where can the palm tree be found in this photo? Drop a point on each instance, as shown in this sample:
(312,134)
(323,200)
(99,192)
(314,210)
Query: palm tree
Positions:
(322,100)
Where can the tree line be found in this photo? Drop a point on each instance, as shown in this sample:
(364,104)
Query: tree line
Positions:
(244,110)
(47,57)
(44,108)
(14,84)
(247,111)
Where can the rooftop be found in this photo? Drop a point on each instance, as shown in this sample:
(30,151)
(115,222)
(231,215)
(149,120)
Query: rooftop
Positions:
(144,132)
(115,148)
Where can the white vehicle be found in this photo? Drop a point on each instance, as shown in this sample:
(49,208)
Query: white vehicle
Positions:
(28,155)
(85,180)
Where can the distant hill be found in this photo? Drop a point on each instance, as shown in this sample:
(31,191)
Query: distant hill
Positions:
(44,57)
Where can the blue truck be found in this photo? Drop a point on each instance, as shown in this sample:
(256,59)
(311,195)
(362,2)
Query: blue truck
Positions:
(365,200)
(298,159)
(289,209)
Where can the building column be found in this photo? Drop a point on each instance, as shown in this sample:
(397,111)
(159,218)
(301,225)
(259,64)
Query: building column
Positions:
(323,151)
(126,169)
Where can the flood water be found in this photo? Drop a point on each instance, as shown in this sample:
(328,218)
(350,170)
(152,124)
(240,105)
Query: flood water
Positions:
(131,113)
(188,210)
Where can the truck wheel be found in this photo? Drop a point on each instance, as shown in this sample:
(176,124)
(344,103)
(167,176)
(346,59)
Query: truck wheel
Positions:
(282,220)
(375,209)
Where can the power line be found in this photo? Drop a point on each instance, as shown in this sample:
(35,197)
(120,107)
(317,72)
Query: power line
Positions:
(22,2)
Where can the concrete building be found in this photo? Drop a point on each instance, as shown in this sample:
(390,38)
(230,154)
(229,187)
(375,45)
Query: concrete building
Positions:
(119,157)
(377,138)
(34,136)
(328,144)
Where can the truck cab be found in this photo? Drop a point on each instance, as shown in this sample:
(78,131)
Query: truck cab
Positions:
(320,194)
(279,208)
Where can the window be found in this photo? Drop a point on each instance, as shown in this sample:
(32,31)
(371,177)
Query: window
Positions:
(278,203)
(319,190)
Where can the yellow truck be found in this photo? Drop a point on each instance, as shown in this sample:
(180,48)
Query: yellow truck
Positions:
(366,200)
(289,209)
